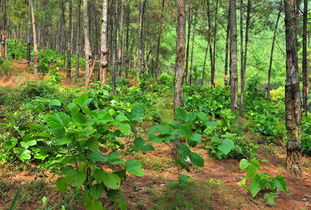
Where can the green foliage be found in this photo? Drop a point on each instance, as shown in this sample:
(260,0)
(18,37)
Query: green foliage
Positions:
(230,145)
(180,132)
(5,66)
(306,135)
(17,49)
(82,130)
(261,182)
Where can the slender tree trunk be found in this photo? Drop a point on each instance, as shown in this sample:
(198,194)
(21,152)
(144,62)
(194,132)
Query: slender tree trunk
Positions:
(157,65)
(114,48)
(29,40)
(127,36)
(87,46)
(70,40)
(188,43)
(5,24)
(272,49)
(34,35)
(78,39)
(104,41)
(233,56)
(180,54)
(292,97)
(121,39)
(227,49)
(192,50)
(142,37)
(204,65)
(243,71)
(241,41)
(210,33)
(214,45)
(305,58)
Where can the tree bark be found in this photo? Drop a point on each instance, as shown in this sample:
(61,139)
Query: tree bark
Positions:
(188,43)
(204,66)
(87,46)
(243,70)
(180,54)
(104,41)
(214,45)
(34,35)
(142,37)
(292,97)
(227,49)
(233,56)
(114,48)
(121,39)
(192,49)
(157,65)
(272,49)
(70,40)
(78,39)
(127,37)
(305,58)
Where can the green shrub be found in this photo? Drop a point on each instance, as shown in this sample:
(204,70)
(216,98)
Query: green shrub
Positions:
(5,66)
(306,135)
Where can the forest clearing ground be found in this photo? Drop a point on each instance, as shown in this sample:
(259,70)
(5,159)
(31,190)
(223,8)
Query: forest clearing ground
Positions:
(215,182)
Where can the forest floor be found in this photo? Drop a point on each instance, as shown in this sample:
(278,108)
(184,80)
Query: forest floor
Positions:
(215,185)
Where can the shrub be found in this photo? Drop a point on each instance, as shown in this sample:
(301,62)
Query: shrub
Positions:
(278,94)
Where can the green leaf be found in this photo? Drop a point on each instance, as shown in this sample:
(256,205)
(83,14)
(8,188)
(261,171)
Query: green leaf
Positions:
(244,164)
(226,146)
(25,155)
(270,198)
(281,183)
(54,102)
(125,128)
(97,156)
(96,191)
(112,181)
(137,113)
(196,159)
(92,204)
(134,167)
(61,184)
(10,144)
(57,120)
(121,118)
(27,144)
(184,179)
(254,188)
(194,139)
(147,148)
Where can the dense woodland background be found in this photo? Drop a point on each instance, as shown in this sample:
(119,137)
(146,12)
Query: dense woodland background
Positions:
(93,91)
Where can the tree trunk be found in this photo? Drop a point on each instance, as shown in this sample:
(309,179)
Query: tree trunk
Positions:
(180,54)
(204,65)
(70,40)
(34,35)
(233,56)
(272,49)
(5,23)
(292,97)
(87,46)
(214,45)
(141,37)
(227,49)
(305,58)
(29,40)
(157,65)
(78,39)
(188,43)
(127,36)
(243,71)
(241,42)
(114,48)
(121,39)
(210,44)
(104,40)
(192,49)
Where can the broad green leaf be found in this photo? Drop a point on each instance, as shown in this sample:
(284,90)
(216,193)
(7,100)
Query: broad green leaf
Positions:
(61,184)
(97,156)
(10,144)
(254,188)
(125,128)
(25,155)
(121,118)
(96,191)
(196,159)
(147,148)
(54,102)
(281,183)
(226,146)
(57,120)
(134,167)
(112,181)
(244,164)
(27,144)
(194,139)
